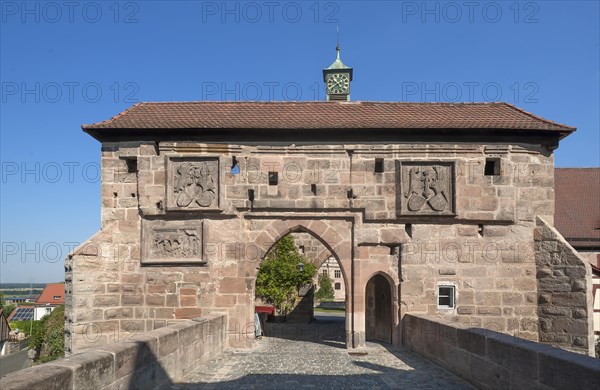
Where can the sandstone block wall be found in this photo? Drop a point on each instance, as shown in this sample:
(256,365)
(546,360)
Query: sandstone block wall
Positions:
(185,226)
(565,302)
(491,360)
(144,361)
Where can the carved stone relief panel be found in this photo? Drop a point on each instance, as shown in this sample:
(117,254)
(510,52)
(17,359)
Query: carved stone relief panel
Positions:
(425,188)
(172,242)
(192,183)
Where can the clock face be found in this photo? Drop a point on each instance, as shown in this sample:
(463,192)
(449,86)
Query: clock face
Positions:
(338,83)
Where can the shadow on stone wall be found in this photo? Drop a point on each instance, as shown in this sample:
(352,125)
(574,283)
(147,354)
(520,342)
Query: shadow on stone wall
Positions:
(148,369)
(326,330)
(303,311)
(146,361)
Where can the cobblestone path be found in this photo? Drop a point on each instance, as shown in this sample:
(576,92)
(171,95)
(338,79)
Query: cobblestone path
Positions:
(312,356)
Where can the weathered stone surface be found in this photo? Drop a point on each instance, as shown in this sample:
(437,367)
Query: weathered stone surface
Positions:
(44,377)
(145,361)
(504,361)
(92,369)
(565,304)
(194,240)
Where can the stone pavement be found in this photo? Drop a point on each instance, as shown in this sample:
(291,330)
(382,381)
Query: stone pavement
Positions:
(313,357)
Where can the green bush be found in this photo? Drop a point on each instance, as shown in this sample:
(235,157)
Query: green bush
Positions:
(7,309)
(598,348)
(25,326)
(279,276)
(48,339)
(325,292)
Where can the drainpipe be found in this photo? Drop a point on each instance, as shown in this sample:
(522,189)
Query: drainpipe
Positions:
(352,276)
(352,281)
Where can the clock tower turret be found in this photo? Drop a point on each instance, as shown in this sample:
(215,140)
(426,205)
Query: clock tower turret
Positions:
(337,79)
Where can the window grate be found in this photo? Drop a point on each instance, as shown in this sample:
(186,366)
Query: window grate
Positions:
(445,297)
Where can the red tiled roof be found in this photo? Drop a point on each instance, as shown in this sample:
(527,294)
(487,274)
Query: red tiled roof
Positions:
(326,115)
(50,291)
(577,205)
(12,313)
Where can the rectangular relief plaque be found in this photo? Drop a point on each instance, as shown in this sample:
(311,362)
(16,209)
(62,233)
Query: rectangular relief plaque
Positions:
(425,188)
(193,183)
(172,242)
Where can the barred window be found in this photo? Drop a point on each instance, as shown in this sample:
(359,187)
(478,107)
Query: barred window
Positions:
(445,298)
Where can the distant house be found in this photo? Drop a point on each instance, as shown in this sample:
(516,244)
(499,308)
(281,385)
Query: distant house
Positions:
(17,300)
(4,332)
(332,269)
(21,313)
(52,297)
(577,218)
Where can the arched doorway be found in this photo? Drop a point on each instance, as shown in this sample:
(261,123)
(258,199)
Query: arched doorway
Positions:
(378,314)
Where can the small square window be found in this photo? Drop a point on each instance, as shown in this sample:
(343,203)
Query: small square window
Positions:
(338,286)
(378,165)
(492,167)
(325,273)
(131,164)
(273,178)
(337,273)
(445,298)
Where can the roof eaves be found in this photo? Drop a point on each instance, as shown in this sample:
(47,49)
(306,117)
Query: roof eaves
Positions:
(539,118)
(112,119)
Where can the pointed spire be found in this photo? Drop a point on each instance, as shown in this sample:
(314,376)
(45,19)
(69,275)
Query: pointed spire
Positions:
(337,76)
(337,64)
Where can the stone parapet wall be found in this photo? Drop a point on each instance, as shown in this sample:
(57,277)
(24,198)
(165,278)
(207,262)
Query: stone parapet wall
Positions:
(145,361)
(565,301)
(491,360)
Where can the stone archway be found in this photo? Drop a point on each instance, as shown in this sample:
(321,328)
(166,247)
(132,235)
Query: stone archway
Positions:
(378,314)
(335,235)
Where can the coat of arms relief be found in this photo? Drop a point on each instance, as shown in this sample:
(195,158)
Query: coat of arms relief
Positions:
(424,188)
(193,184)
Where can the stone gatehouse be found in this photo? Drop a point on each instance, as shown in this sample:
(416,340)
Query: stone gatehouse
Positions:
(431,208)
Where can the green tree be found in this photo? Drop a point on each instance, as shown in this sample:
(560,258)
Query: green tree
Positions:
(6,309)
(48,338)
(279,276)
(325,292)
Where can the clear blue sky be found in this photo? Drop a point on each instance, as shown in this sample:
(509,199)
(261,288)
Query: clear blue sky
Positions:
(64,65)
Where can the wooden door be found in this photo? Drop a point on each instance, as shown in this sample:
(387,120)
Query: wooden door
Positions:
(379,310)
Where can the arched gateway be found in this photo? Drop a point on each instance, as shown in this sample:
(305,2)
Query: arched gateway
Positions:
(335,237)
(194,194)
